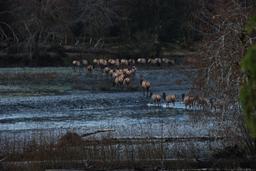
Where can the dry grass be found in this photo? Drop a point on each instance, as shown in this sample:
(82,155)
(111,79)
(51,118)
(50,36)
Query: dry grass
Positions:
(98,153)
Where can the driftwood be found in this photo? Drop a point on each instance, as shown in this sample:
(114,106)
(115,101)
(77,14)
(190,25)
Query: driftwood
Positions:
(98,131)
(120,141)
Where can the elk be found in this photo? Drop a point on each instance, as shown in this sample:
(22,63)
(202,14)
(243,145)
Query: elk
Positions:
(124,62)
(127,82)
(188,101)
(145,86)
(89,68)
(156,98)
(131,62)
(76,64)
(170,99)
(141,60)
(106,70)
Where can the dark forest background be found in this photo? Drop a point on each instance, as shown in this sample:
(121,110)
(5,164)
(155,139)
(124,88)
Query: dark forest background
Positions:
(53,32)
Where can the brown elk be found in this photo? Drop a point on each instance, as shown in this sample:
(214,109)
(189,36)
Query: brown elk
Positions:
(145,86)
(156,98)
(127,82)
(89,68)
(170,99)
(188,101)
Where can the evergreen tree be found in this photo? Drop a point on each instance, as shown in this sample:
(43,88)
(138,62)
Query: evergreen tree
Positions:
(248,90)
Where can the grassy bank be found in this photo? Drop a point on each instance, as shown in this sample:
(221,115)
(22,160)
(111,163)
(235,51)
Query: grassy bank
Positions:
(89,152)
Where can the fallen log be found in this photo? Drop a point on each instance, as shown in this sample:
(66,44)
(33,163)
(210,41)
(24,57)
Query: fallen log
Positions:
(98,131)
(120,141)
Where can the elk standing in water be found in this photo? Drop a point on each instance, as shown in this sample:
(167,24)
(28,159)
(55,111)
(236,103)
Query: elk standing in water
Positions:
(89,68)
(84,64)
(170,99)
(145,86)
(188,101)
(156,98)
(106,70)
(76,65)
(127,82)
(202,103)
(118,81)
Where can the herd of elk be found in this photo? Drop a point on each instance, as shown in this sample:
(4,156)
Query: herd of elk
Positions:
(121,77)
(203,103)
(122,72)
(156,61)
(156,98)
(78,65)
(117,63)
(190,102)
(102,62)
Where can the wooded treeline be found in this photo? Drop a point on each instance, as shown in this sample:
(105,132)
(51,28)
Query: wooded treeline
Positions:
(32,31)
(29,28)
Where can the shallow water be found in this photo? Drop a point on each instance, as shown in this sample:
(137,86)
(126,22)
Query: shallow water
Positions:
(128,114)
(125,112)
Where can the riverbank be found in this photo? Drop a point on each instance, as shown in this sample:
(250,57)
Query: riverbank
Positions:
(73,151)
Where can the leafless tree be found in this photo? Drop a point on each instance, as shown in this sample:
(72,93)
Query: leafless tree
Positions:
(96,16)
(222,24)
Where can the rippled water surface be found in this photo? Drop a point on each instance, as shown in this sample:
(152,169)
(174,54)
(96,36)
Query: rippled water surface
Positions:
(125,112)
